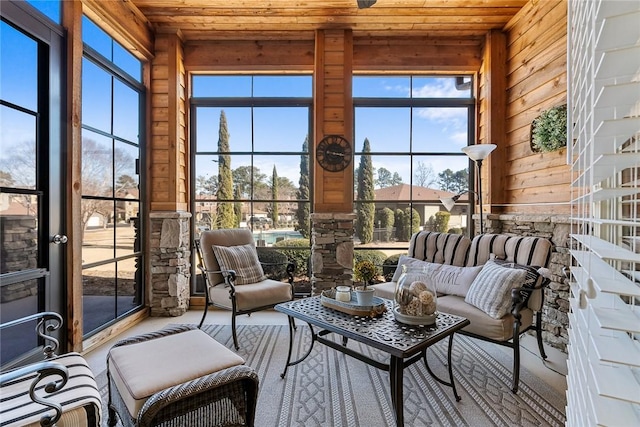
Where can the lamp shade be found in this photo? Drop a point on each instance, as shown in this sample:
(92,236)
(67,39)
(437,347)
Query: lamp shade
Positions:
(447,202)
(478,151)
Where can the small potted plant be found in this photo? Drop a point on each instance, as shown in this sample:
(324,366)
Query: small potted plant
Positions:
(364,272)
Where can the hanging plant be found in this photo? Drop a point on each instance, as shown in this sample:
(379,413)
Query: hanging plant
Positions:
(549,130)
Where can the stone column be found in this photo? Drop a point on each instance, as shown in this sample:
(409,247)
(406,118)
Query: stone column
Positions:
(170,263)
(331,250)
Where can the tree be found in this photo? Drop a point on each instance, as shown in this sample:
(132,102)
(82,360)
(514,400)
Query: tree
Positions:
(225,217)
(206,186)
(455,182)
(303,212)
(274,196)
(125,182)
(385,219)
(237,206)
(366,195)
(387,179)
(424,175)
(246,178)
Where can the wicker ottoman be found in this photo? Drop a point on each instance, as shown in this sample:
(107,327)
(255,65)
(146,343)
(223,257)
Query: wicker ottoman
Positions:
(179,376)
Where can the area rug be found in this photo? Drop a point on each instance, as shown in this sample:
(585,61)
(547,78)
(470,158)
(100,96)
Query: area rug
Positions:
(332,389)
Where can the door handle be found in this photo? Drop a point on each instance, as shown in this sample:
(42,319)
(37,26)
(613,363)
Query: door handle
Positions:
(59,239)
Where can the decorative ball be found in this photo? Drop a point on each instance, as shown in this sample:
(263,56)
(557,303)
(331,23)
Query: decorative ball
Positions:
(414,307)
(425,297)
(417,287)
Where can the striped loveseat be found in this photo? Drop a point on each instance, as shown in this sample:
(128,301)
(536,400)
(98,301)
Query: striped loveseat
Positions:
(495,280)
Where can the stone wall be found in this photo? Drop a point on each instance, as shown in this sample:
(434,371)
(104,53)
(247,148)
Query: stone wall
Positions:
(19,236)
(170,266)
(555,320)
(332,250)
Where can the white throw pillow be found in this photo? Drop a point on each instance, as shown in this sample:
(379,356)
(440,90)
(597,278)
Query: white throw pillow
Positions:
(448,279)
(243,259)
(491,289)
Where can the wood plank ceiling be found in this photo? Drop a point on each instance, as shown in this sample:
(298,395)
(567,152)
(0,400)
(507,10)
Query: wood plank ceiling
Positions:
(276,19)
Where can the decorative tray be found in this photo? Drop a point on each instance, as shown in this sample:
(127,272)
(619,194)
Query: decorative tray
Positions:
(351,307)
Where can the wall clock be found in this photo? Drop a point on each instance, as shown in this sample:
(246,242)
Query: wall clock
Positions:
(334,153)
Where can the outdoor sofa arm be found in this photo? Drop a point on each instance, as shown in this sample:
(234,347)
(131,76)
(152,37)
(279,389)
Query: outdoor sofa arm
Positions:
(237,384)
(518,295)
(42,371)
(47,322)
(229,276)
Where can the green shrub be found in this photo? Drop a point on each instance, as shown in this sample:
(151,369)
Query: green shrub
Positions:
(271,256)
(389,267)
(386,219)
(455,230)
(299,256)
(441,221)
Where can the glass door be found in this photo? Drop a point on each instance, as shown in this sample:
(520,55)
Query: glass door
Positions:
(32,239)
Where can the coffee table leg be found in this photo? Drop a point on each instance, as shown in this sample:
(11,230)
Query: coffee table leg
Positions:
(396,372)
(451,382)
(313,340)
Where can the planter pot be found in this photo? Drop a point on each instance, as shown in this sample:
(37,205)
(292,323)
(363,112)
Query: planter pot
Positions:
(364,296)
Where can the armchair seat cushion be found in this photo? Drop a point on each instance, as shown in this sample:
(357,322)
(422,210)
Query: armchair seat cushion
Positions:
(142,369)
(481,324)
(80,393)
(261,294)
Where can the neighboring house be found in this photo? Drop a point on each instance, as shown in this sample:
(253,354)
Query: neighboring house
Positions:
(426,201)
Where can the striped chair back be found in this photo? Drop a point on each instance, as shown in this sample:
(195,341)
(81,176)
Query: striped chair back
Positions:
(441,248)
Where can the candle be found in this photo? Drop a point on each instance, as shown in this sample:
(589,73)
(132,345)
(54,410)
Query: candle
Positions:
(343,293)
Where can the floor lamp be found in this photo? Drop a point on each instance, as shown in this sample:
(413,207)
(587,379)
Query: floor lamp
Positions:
(478,153)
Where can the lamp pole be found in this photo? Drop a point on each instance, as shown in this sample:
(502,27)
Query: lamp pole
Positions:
(478,153)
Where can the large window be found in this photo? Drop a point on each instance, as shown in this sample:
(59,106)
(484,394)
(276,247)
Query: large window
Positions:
(112,140)
(251,157)
(408,134)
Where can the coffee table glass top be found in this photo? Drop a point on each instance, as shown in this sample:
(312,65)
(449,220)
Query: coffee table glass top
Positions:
(383,332)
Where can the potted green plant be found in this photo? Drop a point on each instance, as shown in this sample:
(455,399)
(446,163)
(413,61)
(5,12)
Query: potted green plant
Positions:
(364,272)
(549,130)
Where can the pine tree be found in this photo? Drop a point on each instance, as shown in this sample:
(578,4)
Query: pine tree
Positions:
(274,197)
(303,211)
(366,211)
(225,217)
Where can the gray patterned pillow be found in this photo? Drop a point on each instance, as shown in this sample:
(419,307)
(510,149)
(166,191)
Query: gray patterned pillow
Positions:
(243,259)
(491,289)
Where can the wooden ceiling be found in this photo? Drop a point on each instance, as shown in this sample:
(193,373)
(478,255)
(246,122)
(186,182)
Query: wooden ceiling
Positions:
(247,19)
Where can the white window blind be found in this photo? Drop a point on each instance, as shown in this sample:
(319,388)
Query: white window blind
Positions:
(604,153)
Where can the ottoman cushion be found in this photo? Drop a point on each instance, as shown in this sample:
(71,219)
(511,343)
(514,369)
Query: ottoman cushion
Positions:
(142,369)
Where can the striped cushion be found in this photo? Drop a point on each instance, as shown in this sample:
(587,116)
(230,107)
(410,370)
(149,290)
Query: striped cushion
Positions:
(534,251)
(79,398)
(532,279)
(243,259)
(491,289)
(441,248)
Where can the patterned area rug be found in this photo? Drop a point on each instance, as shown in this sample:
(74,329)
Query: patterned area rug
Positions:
(332,389)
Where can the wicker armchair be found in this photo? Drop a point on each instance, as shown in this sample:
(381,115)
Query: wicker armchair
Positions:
(223,398)
(225,290)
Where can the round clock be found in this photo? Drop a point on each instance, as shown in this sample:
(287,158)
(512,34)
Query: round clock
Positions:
(334,153)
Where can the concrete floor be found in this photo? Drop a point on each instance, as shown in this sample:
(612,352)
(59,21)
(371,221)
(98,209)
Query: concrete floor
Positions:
(552,371)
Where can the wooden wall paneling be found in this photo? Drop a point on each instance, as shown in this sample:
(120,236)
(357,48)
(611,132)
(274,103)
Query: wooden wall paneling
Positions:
(130,27)
(333,112)
(72,21)
(536,80)
(494,117)
(167,169)
(249,55)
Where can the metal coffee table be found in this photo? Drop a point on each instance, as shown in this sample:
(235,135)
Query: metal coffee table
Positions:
(406,344)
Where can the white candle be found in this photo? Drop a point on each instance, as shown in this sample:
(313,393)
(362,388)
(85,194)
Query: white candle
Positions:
(343,293)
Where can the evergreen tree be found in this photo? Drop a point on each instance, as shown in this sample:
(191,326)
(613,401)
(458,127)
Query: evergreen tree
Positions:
(366,211)
(274,196)
(237,206)
(303,211)
(225,217)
